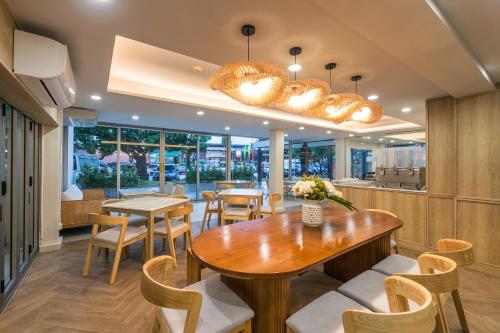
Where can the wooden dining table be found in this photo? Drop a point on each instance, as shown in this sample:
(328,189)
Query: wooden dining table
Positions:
(148,207)
(251,193)
(257,259)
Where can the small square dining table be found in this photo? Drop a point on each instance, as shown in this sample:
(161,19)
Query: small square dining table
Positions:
(148,207)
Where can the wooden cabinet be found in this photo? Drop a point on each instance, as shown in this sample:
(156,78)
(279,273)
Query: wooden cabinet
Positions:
(383,199)
(411,208)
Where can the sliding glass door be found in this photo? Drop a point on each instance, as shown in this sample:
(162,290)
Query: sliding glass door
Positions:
(19,160)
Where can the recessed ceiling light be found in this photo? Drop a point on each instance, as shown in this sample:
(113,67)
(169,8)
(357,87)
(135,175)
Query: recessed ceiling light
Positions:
(265,122)
(301,128)
(406,109)
(286,134)
(96,97)
(410,142)
(351,135)
(381,139)
(328,132)
(197,69)
(367,137)
(227,128)
(294,68)
(135,117)
(393,141)
(373,97)
(200,113)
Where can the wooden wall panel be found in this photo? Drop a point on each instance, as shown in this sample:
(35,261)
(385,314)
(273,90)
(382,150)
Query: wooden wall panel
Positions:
(411,208)
(360,198)
(441,219)
(6,35)
(478,129)
(382,200)
(441,146)
(479,223)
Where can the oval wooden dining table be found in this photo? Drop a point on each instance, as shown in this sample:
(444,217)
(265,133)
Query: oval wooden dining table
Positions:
(256,259)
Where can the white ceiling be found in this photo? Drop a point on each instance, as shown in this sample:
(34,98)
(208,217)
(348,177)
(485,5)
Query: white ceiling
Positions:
(404,51)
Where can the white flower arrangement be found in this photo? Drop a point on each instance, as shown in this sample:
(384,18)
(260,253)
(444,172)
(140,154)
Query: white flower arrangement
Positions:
(313,188)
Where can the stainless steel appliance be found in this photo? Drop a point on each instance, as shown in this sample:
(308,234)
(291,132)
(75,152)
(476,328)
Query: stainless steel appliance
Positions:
(406,178)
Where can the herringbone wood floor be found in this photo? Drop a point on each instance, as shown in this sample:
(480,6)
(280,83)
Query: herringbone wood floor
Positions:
(54,297)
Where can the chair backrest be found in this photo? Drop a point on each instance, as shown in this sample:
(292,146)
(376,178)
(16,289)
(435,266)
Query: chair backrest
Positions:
(169,188)
(179,189)
(107,221)
(209,196)
(185,211)
(457,250)
(235,200)
(155,290)
(93,194)
(401,320)
(438,274)
(273,198)
(252,185)
(380,211)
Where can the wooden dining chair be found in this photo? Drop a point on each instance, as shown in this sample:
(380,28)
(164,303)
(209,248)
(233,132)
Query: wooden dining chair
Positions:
(177,222)
(236,208)
(252,185)
(211,207)
(438,274)
(118,236)
(168,189)
(395,234)
(271,209)
(334,312)
(457,250)
(179,189)
(205,306)
(226,186)
(179,196)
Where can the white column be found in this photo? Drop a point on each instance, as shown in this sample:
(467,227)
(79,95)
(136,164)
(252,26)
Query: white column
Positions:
(340,157)
(50,196)
(276,156)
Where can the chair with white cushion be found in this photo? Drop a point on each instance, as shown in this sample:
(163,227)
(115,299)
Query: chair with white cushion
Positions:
(271,210)
(457,250)
(211,207)
(177,223)
(335,313)
(439,275)
(235,208)
(395,241)
(118,236)
(206,306)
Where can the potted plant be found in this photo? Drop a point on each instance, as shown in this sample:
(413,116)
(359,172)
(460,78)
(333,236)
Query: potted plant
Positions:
(314,190)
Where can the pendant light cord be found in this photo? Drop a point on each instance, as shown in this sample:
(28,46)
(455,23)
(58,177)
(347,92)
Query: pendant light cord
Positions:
(331,79)
(248,48)
(295,73)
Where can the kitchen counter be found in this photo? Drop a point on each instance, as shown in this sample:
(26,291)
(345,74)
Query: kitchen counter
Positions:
(373,187)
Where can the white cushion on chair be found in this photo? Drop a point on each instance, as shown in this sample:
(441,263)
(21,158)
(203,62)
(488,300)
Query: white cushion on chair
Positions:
(323,315)
(221,309)
(368,289)
(233,211)
(174,226)
(112,235)
(267,209)
(396,263)
(394,244)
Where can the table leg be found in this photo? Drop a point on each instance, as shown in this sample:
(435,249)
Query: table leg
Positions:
(268,298)
(193,268)
(150,239)
(357,261)
(219,211)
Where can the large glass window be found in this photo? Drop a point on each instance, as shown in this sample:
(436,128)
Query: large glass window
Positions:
(180,162)
(314,158)
(139,158)
(94,159)
(212,161)
(245,159)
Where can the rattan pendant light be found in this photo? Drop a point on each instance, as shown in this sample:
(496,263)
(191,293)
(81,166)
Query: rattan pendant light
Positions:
(366,112)
(251,83)
(299,96)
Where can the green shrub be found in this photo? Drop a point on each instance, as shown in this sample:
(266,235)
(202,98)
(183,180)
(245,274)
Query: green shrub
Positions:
(207,175)
(242,173)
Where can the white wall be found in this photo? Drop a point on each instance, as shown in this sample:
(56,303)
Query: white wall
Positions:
(51,178)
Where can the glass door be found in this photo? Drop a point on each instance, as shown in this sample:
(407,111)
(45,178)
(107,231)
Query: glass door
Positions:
(6,258)
(18,188)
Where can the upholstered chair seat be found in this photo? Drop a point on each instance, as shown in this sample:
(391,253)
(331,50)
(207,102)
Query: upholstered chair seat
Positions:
(396,263)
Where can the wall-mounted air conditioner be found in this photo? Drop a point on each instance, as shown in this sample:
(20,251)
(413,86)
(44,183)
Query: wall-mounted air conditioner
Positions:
(44,67)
